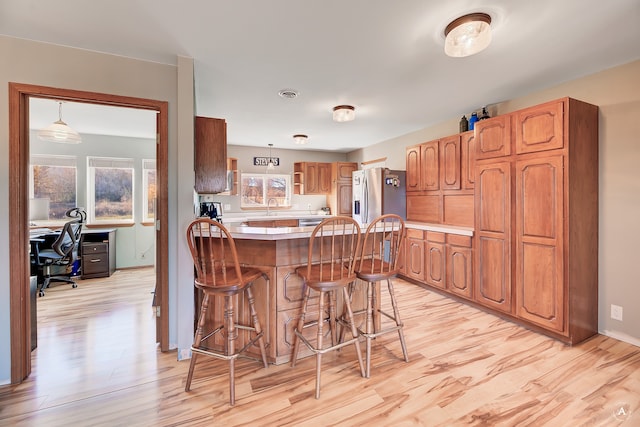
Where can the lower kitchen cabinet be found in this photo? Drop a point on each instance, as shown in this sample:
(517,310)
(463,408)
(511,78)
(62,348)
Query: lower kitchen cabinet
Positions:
(435,259)
(414,255)
(459,265)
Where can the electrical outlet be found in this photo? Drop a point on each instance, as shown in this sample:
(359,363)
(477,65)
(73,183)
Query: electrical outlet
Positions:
(227,207)
(309,206)
(616,312)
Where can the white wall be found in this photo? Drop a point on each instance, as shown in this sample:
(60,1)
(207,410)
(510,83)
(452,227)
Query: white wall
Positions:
(617,92)
(287,158)
(56,66)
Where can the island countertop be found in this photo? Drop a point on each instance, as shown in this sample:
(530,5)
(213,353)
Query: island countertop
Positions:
(286,233)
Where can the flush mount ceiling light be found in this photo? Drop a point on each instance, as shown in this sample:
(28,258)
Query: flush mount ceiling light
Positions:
(59,131)
(467,35)
(344,113)
(300,139)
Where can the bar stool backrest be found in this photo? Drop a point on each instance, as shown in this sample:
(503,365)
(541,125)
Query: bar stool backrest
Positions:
(333,250)
(381,248)
(214,254)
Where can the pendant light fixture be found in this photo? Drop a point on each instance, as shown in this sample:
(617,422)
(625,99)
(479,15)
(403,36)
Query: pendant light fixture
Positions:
(59,131)
(467,35)
(344,113)
(270,165)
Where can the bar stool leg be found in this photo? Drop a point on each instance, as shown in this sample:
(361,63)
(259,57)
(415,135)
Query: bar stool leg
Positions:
(369,327)
(256,324)
(354,330)
(232,334)
(396,315)
(319,340)
(300,326)
(204,307)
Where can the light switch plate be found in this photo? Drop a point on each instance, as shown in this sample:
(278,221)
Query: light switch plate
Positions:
(616,312)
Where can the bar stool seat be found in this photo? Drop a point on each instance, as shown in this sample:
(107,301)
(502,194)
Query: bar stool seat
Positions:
(218,273)
(381,248)
(333,247)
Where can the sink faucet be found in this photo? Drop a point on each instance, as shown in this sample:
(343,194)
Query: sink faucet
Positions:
(269,205)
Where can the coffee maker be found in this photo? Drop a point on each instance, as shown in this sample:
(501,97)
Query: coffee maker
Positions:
(212,210)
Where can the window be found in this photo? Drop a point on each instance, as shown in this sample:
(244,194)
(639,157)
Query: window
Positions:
(258,189)
(52,182)
(110,190)
(148,190)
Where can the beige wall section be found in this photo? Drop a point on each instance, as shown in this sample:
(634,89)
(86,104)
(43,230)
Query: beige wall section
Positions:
(617,92)
(56,66)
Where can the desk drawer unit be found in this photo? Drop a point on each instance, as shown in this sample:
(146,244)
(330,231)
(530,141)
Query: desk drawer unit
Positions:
(95,260)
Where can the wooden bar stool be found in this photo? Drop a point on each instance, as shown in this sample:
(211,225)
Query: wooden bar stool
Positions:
(218,273)
(379,261)
(333,247)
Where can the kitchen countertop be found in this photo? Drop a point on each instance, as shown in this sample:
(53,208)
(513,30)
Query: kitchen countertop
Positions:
(284,233)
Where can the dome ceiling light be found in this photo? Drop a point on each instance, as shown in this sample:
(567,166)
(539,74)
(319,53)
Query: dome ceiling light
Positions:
(344,113)
(467,35)
(300,139)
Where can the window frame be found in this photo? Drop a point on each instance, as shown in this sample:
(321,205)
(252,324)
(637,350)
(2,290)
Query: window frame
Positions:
(148,165)
(94,162)
(284,202)
(52,160)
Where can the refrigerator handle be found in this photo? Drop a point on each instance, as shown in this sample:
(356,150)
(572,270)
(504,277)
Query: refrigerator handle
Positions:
(365,200)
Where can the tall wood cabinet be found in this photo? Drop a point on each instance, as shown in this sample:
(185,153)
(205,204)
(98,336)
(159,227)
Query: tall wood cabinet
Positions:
(210,155)
(339,199)
(536,207)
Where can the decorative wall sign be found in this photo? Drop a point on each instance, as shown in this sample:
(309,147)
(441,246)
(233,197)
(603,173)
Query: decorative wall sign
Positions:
(264,161)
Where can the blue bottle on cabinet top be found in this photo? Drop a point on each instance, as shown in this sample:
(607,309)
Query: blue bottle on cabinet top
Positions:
(472,120)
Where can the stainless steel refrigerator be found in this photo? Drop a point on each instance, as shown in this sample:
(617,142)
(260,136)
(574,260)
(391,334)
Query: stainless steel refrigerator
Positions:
(378,191)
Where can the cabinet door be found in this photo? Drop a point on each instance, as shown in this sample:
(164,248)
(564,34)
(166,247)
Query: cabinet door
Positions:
(459,270)
(430,166)
(539,128)
(413,168)
(344,170)
(210,155)
(310,178)
(435,260)
(414,256)
(539,241)
(344,193)
(493,137)
(493,228)
(467,160)
(324,178)
(450,163)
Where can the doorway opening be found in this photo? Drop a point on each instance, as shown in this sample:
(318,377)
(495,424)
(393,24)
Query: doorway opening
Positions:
(20,311)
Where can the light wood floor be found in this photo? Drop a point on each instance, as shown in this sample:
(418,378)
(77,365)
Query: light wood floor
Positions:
(97,364)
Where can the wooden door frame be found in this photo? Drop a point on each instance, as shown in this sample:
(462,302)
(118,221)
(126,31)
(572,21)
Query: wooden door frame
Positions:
(19,296)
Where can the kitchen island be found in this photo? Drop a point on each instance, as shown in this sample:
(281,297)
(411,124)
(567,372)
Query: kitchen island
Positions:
(278,251)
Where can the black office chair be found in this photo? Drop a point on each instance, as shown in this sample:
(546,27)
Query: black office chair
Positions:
(63,252)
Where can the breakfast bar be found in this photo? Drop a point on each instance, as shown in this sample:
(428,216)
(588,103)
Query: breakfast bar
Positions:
(278,251)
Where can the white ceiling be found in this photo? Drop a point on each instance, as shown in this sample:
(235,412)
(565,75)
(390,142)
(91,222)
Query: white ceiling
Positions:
(384,57)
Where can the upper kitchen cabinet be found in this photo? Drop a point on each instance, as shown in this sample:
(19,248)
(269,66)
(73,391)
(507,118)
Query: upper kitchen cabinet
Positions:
(210,155)
(312,178)
(493,137)
(539,128)
(467,160)
(430,166)
(450,163)
(413,168)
